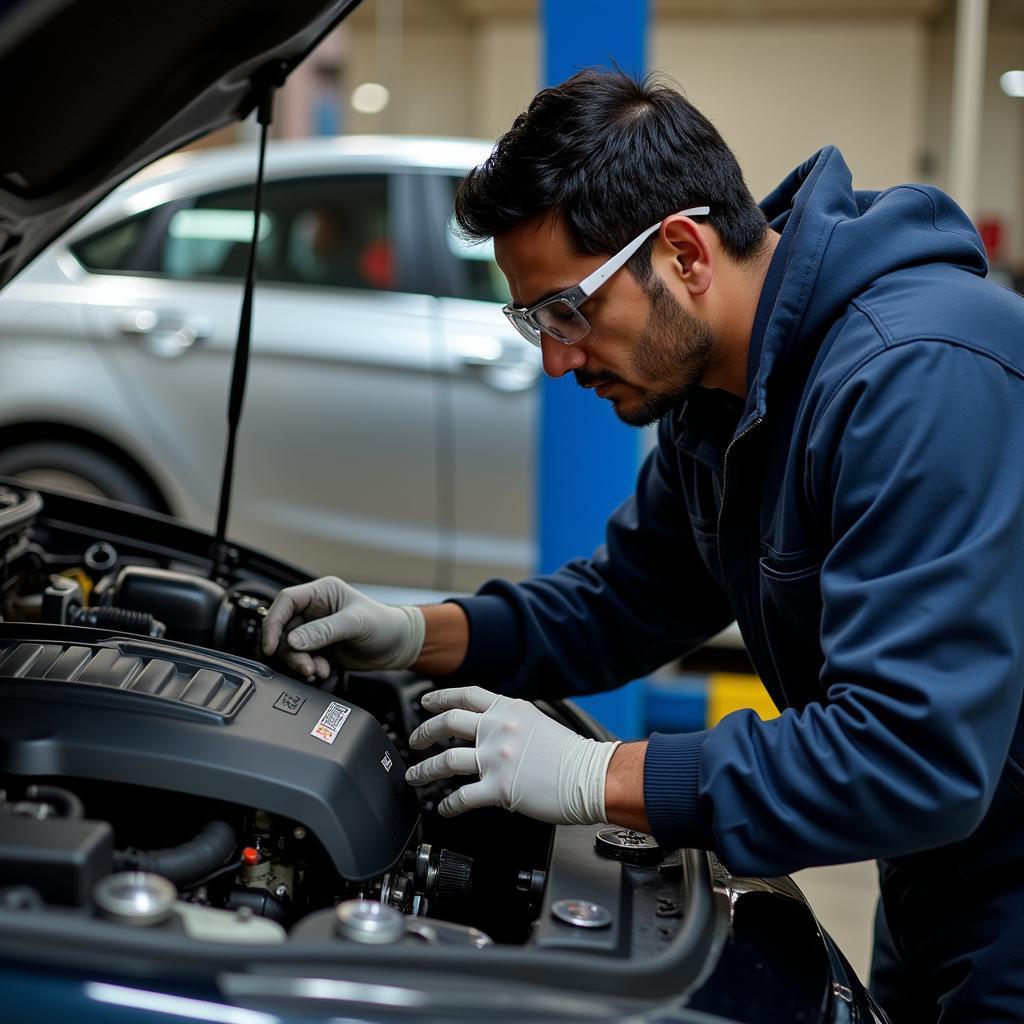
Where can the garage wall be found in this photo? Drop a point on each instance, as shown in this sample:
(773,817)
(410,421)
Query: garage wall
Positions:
(878,87)
(779,90)
(508,70)
(435,72)
(861,85)
(1001,170)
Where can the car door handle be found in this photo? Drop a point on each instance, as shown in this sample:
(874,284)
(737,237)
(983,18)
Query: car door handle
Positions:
(168,335)
(498,365)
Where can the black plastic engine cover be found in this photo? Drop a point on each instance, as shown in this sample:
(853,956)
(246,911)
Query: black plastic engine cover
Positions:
(97,704)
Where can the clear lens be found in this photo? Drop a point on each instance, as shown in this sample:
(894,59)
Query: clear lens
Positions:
(523,326)
(563,321)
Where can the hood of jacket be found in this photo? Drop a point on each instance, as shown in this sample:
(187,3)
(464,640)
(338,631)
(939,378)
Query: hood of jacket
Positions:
(836,241)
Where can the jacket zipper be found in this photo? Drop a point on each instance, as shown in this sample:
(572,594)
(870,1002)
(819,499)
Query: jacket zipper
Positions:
(725,470)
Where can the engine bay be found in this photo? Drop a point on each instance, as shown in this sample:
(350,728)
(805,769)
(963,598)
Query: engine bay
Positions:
(156,774)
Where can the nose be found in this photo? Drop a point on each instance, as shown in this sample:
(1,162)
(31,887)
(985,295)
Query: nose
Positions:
(559,359)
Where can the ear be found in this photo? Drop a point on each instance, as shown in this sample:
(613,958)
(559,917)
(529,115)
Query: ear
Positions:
(682,242)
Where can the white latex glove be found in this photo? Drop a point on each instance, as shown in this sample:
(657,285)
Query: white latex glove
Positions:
(366,634)
(526,761)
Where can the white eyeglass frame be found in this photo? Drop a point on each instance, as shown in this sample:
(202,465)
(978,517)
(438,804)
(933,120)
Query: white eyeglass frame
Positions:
(524,318)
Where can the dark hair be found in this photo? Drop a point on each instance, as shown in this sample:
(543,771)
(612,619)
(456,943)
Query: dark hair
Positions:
(613,155)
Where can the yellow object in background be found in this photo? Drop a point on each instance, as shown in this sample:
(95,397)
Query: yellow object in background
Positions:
(728,692)
(82,579)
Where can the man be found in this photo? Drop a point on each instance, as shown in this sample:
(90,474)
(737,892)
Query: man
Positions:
(840,405)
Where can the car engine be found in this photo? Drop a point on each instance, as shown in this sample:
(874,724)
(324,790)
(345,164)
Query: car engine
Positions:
(154,772)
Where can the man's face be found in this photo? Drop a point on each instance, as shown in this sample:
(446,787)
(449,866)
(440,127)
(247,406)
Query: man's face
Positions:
(644,350)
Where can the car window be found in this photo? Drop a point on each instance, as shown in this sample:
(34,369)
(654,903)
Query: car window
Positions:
(478,276)
(114,248)
(213,240)
(325,231)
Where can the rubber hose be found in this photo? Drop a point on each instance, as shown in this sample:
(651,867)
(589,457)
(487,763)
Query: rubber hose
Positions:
(187,862)
(107,617)
(67,804)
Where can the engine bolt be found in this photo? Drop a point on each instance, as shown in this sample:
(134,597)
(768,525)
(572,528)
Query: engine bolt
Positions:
(299,833)
(281,891)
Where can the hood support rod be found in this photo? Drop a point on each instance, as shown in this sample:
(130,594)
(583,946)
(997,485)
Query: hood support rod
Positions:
(220,555)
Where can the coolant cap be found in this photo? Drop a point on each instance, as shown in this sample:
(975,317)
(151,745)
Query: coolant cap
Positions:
(369,922)
(135,897)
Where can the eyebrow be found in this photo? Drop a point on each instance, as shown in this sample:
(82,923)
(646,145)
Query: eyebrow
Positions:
(545,297)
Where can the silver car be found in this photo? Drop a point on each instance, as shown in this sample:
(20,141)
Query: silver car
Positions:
(388,428)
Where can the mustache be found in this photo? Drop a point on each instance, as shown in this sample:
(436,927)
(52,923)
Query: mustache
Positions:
(588,379)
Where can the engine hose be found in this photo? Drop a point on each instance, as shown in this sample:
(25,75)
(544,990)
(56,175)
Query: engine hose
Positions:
(261,903)
(68,805)
(187,862)
(107,617)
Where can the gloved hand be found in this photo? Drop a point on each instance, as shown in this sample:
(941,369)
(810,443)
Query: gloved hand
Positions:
(366,634)
(526,761)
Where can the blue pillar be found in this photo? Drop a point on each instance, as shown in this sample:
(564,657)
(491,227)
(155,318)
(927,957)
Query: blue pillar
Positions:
(587,459)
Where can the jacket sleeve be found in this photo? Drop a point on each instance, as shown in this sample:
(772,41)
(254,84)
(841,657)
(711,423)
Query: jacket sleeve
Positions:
(915,468)
(644,598)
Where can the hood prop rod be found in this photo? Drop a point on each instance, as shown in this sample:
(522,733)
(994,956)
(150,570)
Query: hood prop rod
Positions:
(221,552)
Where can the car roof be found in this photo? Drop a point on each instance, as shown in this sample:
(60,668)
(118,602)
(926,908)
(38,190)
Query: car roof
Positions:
(192,172)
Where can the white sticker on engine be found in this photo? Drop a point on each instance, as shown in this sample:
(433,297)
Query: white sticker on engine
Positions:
(330,723)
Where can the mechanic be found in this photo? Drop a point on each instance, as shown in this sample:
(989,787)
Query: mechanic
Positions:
(840,408)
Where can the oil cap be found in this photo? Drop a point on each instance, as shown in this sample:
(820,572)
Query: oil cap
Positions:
(626,845)
(581,913)
(369,922)
(135,897)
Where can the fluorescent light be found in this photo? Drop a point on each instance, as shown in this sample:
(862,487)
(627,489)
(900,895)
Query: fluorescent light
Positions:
(370,97)
(1012,83)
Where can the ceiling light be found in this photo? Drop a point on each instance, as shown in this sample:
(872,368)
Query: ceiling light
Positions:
(1012,83)
(370,97)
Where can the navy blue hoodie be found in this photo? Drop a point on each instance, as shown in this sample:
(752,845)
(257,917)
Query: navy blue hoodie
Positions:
(862,518)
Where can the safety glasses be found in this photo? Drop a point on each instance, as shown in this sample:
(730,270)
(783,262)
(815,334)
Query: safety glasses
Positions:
(559,316)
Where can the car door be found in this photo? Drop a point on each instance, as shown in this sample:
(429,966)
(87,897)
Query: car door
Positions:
(492,374)
(335,466)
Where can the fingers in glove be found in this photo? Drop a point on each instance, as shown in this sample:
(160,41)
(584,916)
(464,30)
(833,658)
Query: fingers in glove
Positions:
(470,698)
(454,761)
(301,664)
(454,724)
(467,798)
(307,600)
(309,666)
(281,614)
(348,624)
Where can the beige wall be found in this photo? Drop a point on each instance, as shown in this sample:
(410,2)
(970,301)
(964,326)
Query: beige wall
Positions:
(435,94)
(508,73)
(860,84)
(778,91)
(464,77)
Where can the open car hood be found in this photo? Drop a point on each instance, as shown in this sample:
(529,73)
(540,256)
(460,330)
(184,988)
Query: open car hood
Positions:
(94,90)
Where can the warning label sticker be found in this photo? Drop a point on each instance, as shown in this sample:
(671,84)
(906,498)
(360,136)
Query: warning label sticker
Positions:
(330,723)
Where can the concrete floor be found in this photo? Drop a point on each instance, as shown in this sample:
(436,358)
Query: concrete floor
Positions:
(843,900)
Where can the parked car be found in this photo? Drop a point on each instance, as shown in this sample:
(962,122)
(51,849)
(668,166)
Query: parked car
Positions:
(390,399)
(190,832)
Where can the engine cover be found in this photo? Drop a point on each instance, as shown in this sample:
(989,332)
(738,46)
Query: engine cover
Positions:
(97,704)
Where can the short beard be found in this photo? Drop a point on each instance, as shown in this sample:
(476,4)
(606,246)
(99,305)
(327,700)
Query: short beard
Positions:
(673,350)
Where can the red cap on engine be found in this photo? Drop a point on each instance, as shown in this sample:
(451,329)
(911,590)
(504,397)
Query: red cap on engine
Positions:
(250,856)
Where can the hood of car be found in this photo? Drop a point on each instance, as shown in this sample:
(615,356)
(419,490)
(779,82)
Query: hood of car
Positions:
(96,89)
